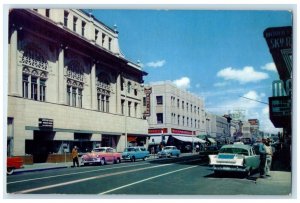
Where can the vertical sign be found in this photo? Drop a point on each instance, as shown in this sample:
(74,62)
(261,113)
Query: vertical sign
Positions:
(147,92)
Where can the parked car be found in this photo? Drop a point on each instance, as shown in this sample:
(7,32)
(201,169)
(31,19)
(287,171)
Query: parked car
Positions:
(133,153)
(13,163)
(101,156)
(235,158)
(168,151)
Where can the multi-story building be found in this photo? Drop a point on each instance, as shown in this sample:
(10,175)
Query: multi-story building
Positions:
(174,112)
(69,84)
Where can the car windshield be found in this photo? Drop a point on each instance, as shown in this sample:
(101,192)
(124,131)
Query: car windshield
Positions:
(129,150)
(234,151)
(99,150)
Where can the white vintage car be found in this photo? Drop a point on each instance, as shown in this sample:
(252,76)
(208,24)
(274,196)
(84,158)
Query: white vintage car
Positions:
(236,158)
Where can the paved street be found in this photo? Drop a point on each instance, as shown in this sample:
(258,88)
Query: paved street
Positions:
(186,175)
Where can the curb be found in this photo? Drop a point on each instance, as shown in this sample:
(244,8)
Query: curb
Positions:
(37,169)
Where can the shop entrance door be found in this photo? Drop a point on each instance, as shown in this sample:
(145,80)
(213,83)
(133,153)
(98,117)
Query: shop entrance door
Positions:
(42,145)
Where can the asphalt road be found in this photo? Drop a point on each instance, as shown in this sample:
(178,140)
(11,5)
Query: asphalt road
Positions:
(171,176)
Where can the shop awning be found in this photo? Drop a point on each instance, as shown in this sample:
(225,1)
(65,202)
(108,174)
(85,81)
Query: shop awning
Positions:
(189,139)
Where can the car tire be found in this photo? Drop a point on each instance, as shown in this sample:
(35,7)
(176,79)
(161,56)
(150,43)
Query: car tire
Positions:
(145,158)
(102,161)
(10,171)
(133,159)
(177,155)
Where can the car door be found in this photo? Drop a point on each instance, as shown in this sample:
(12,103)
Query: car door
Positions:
(109,155)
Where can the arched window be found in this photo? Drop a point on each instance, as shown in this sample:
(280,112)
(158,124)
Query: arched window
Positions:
(75,83)
(35,73)
(103,92)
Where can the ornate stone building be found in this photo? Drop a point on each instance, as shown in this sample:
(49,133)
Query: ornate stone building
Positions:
(68,84)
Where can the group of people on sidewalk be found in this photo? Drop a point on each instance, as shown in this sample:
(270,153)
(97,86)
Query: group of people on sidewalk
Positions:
(266,153)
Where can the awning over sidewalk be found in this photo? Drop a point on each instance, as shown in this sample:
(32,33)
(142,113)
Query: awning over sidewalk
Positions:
(189,139)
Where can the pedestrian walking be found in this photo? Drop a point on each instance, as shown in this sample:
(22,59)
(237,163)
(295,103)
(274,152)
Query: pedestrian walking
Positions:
(75,156)
(269,154)
(262,153)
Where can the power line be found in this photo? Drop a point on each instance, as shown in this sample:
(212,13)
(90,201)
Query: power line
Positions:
(255,100)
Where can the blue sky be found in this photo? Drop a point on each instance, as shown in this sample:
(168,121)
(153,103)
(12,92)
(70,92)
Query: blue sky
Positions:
(217,55)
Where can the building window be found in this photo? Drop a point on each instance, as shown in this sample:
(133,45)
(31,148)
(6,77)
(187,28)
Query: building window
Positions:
(96,34)
(107,104)
(25,85)
(82,28)
(191,108)
(122,83)
(103,92)
(187,106)
(178,103)
(195,123)
(187,121)
(109,43)
(66,14)
(75,84)
(42,89)
(69,95)
(74,94)
(103,39)
(129,105)
(135,92)
(34,90)
(48,13)
(183,120)
(159,100)
(122,107)
(135,109)
(182,104)
(159,118)
(80,98)
(128,87)
(178,119)
(74,23)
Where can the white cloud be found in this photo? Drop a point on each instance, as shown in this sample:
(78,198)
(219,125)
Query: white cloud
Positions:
(269,67)
(245,75)
(156,64)
(198,85)
(183,83)
(220,84)
(253,109)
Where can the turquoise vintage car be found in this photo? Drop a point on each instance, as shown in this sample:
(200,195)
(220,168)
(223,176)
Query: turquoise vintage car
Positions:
(133,153)
(235,158)
(169,151)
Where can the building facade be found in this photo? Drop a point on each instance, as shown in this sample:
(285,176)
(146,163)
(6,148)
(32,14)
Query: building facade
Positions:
(174,112)
(69,84)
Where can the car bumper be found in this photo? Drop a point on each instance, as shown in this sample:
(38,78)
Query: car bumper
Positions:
(91,161)
(230,168)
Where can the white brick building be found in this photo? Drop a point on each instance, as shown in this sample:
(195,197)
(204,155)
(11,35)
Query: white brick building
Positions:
(65,66)
(174,112)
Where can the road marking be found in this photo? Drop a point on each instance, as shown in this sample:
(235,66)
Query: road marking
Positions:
(134,183)
(91,178)
(103,169)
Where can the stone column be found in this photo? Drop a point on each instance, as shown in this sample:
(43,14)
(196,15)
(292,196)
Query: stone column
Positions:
(93,86)
(13,72)
(61,82)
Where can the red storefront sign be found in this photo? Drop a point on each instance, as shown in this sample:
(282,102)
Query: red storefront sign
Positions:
(157,130)
(179,131)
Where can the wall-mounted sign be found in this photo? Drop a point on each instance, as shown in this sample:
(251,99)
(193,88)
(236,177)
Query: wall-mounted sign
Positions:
(158,131)
(45,123)
(280,111)
(147,92)
(179,131)
(280,40)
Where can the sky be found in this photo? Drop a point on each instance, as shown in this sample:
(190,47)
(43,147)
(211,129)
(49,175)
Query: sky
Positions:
(218,55)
